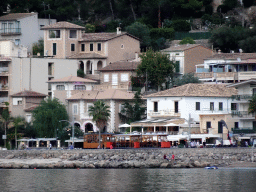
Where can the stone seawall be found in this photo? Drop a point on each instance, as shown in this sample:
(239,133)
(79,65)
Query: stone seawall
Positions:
(126,158)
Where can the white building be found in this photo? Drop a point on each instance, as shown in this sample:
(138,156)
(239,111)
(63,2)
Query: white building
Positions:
(23,28)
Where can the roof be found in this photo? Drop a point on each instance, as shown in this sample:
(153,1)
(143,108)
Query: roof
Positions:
(72,79)
(15,16)
(106,94)
(87,56)
(233,56)
(243,83)
(27,93)
(103,36)
(182,47)
(197,90)
(29,109)
(121,66)
(62,25)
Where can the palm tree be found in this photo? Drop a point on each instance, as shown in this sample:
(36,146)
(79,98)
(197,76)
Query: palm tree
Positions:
(5,118)
(17,121)
(100,113)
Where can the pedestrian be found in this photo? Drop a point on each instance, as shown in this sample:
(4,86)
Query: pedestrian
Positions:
(50,146)
(111,146)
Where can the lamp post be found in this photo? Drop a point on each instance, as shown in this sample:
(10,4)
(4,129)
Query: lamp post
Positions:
(72,125)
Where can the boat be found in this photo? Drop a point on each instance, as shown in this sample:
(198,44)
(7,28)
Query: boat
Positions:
(212,167)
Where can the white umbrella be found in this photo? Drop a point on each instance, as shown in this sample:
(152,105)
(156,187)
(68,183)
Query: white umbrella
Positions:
(124,125)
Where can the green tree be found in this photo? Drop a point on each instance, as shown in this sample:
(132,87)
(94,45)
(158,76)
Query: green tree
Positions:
(133,110)
(185,79)
(187,40)
(100,114)
(17,122)
(46,117)
(252,105)
(5,118)
(248,44)
(140,31)
(157,67)
(38,47)
(89,28)
(180,25)
(80,73)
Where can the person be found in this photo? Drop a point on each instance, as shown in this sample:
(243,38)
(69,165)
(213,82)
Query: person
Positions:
(103,146)
(50,146)
(71,146)
(111,146)
(246,144)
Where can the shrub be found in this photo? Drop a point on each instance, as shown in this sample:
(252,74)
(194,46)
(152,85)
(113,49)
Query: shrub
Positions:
(167,33)
(80,73)
(181,25)
(187,40)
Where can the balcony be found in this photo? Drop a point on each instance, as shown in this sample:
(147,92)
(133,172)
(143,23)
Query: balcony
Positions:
(244,97)
(244,130)
(218,75)
(3,100)
(10,31)
(214,111)
(242,115)
(4,71)
(4,87)
(164,113)
(3,58)
(246,75)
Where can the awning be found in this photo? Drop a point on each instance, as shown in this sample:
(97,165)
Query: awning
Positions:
(170,125)
(124,125)
(244,137)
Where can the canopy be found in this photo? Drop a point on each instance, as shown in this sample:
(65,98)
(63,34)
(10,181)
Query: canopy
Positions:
(124,125)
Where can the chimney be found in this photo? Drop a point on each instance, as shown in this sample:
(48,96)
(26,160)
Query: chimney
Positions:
(118,30)
(136,56)
(219,51)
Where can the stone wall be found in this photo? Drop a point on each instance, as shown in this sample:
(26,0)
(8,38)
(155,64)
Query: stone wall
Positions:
(125,158)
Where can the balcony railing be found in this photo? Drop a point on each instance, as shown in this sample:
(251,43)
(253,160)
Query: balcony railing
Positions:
(4,99)
(168,113)
(208,110)
(242,97)
(10,31)
(244,130)
(243,114)
(4,70)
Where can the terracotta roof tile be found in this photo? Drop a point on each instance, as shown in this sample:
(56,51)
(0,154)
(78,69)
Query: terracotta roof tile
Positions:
(197,90)
(121,66)
(233,56)
(15,16)
(181,47)
(87,56)
(29,109)
(103,36)
(63,25)
(28,93)
(106,94)
(72,79)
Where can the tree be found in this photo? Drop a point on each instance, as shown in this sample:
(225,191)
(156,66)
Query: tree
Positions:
(140,31)
(252,105)
(46,117)
(100,114)
(248,45)
(187,40)
(135,111)
(5,118)
(180,25)
(158,68)
(185,79)
(38,47)
(17,121)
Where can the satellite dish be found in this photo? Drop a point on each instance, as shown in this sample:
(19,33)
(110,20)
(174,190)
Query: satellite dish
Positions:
(239,59)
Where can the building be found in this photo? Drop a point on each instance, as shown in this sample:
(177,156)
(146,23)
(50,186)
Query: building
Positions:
(118,75)
(23,28)
(79,103)
(187,57)
(194,103)
(24,102)
(65,87)
(227,68)
(93,51)
(245,123)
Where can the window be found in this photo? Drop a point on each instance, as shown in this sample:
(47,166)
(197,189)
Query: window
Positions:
(54,48)
(198,106)
(99,46)
(72,34)
(124,77)
(41,26)
(17,101)
(177,66)
(211,106)
(233,106)
(72,47)
(122,46)
(220,127)
(208,125)
(89,105)
(177,54)
(176,107)
(114,79)
(75,109)
(91,47)
(220,106)
(20,102)
(79,87)
(121,107)
(60,87)
(17,41)
(82,47)
(50,68)
(106,78)
(254,91)
(53,34)
(155,106)
(236,125)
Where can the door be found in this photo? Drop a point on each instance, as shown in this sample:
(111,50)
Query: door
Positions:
(176,106)
(220,127)
(208,125)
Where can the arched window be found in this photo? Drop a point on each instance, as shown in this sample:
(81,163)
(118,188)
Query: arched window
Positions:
(99,65)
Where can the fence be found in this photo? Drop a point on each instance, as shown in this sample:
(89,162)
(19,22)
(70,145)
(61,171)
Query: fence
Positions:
(195,36)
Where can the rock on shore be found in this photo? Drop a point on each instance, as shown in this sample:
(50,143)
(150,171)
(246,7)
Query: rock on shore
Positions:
(126,158)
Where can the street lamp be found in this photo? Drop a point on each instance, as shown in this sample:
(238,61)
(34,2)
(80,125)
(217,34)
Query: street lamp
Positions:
(72,125)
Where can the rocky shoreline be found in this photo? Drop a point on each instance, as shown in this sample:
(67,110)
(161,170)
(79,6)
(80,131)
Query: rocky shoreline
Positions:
(127,158)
